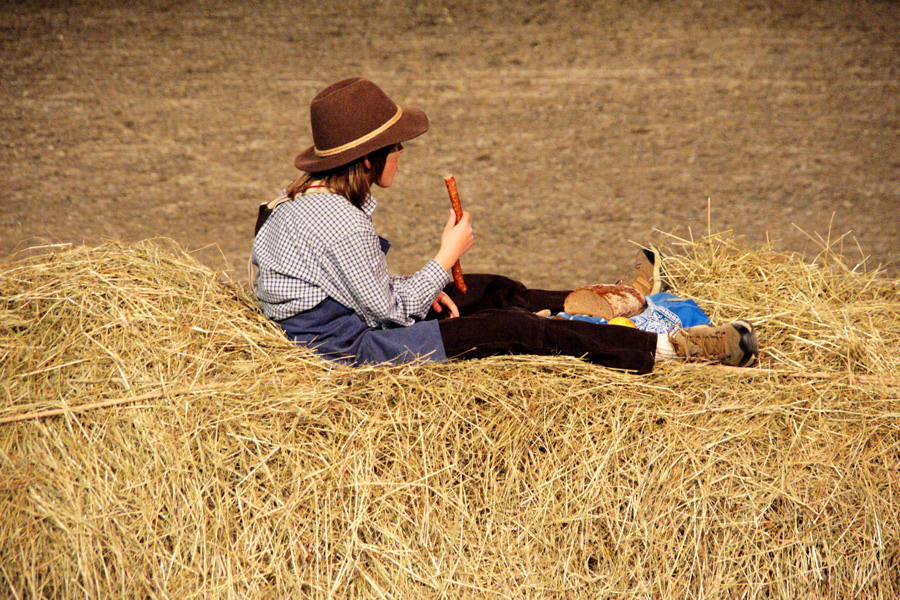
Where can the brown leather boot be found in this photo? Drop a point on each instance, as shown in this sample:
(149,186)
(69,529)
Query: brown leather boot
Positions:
(646,276)
(733,344)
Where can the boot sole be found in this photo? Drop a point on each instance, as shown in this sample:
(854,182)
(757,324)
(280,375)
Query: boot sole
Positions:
(749,345)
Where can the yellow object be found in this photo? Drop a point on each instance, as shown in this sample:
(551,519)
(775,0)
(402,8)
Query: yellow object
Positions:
(621,321)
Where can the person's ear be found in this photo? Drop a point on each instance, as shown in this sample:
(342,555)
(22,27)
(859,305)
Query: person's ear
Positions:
(367,164)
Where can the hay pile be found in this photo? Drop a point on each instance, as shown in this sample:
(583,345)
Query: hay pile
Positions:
(234,465)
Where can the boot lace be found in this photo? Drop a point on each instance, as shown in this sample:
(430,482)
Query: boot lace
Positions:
(710,345)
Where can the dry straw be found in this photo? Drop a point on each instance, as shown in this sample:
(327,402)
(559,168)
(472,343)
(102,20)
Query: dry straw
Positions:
(195,453)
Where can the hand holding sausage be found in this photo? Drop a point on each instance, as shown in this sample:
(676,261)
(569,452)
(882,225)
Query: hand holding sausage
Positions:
(456,240)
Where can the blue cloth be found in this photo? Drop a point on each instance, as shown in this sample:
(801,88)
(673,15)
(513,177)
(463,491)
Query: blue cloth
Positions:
(663,312)
(339,334)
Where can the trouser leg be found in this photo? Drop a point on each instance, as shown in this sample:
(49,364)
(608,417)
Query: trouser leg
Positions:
(487,291)
(493,332)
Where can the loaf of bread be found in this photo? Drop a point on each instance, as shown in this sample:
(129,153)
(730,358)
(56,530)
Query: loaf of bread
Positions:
(606,301)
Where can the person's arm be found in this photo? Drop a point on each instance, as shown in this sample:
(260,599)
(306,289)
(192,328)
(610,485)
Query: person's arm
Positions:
(360,267)
(456,240)
(357,265)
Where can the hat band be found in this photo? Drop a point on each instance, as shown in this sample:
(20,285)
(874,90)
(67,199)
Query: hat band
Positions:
(361,140)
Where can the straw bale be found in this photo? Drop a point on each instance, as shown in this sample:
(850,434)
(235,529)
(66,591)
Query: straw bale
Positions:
(227,462)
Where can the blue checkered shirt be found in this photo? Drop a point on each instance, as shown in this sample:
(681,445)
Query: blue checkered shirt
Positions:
(320,246)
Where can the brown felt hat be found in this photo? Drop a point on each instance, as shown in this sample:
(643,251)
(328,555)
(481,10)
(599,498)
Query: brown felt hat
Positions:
(352,118)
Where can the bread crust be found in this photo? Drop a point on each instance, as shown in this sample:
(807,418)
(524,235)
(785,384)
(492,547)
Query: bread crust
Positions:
(606,301)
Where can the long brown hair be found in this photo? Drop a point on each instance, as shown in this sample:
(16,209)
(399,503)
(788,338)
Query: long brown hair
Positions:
(351,181)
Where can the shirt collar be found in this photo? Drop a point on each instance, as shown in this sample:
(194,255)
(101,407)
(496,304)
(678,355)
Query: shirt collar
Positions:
(368,205)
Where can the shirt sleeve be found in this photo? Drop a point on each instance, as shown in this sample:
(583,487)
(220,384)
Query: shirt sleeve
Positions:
(395,279)
(360,267)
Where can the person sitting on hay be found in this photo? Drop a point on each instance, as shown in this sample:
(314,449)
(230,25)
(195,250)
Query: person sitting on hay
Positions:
(322,273)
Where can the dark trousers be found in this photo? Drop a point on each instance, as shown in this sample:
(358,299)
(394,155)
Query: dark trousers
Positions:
(497,317)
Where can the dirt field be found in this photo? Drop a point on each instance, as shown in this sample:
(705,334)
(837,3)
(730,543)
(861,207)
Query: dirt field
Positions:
(571,127)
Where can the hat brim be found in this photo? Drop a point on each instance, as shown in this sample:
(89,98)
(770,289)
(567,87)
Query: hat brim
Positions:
(412,123)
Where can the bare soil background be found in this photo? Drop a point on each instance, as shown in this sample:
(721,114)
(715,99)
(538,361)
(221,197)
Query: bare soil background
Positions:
(572,127)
